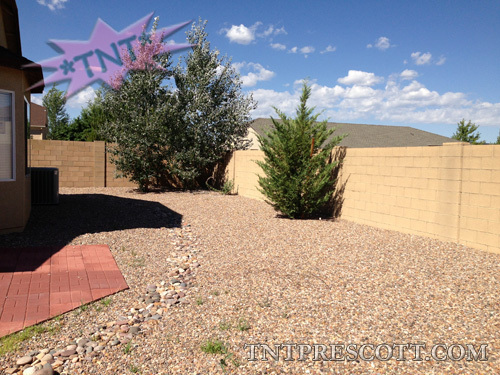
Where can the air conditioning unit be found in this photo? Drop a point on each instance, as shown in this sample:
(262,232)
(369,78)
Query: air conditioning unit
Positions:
(44,186)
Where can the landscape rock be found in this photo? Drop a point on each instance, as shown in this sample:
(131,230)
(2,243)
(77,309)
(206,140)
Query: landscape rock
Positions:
(24,360)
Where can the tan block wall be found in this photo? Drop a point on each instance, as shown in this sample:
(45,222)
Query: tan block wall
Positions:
(80,164)
(449,192)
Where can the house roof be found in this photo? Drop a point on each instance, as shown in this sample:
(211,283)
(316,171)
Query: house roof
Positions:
(10,37)
(32,70)
(363,135)
(10,46)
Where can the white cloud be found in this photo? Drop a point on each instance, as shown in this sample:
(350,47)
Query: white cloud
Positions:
(279,31)
(398,102)
(241,34)
(278,46)
(245,35)
(256,73)
(271,31)
(37,99)
(441,60)
(307,49)
(81,99)
(408,74)
(330,48)
(426,59)
(382,44)
(421,58)
(52,4)
(357,77)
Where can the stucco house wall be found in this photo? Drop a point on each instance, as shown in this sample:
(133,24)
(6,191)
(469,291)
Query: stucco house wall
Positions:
(15,80)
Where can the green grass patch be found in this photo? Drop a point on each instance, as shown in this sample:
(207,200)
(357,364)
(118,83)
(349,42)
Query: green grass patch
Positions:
(224,325)
(243,325)
(213,347)
(11,342)
(128,348)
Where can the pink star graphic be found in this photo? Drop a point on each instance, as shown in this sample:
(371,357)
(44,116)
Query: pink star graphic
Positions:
(85,62)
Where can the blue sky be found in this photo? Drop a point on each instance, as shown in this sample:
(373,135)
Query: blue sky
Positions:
(425,64)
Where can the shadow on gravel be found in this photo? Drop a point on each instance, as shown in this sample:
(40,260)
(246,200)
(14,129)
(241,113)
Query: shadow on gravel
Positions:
(78,214)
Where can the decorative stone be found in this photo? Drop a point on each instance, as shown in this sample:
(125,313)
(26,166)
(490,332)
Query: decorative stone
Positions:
(68,352)
(45,370)
(134,330)
(24,360)
(29,371)
(71,347)
(57,364)
(82,342)
(47,358)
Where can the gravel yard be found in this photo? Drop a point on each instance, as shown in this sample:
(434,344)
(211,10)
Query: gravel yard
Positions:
(268,280)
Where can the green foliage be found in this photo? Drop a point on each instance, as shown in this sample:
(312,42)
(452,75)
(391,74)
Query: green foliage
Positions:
(11,343)
(55,102)
(224,326)
(128,348)
(297,162)
(498,139)
(167,137)
(213,114)
(243,325)
(86,126)
(138,124)
(467,133)
(214,347)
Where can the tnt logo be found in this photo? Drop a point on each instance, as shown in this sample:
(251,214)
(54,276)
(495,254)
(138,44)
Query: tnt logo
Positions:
(98,59)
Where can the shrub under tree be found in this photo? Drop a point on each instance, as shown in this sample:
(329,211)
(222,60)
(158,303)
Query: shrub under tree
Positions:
(298,163)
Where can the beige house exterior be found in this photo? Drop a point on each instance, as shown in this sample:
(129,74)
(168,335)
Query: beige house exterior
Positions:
(15,98)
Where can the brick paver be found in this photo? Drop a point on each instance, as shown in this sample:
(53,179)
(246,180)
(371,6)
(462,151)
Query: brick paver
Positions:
(37,284)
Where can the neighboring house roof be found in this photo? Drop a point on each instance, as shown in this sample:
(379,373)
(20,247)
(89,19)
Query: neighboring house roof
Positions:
(38,115)
(363,136)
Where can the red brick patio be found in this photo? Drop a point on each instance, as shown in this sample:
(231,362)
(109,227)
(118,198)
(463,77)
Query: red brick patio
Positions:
(37,284)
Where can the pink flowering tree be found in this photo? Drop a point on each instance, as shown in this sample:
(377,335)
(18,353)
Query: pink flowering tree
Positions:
(140,109)
(146,55)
